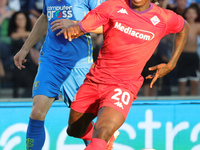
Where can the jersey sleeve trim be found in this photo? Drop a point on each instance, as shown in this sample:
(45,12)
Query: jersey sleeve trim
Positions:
(81,27)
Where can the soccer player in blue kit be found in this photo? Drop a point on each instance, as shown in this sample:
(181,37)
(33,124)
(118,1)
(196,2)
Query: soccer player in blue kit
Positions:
(60,61)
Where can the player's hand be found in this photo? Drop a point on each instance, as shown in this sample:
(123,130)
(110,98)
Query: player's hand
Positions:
(19,59)
(61,24)
(161,71)
(72,32)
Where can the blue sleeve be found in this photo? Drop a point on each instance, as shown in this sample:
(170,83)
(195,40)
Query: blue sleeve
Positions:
(44,8)
(94,3)
(31,4)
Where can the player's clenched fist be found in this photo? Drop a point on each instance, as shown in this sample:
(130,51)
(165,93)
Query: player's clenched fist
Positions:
(19,59)
(72,32)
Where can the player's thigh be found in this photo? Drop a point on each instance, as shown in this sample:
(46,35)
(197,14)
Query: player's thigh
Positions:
(84,108)
(108,121)
(79,122)
(41,105)
(115,103)
(86,99)
(118,98)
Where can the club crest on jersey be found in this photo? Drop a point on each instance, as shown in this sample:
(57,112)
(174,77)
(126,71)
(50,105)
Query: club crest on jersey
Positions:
(36,85)
(122,11)
(155,20)
(137,33)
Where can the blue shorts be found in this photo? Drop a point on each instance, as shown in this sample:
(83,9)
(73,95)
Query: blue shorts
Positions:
(54,77)
(71,85)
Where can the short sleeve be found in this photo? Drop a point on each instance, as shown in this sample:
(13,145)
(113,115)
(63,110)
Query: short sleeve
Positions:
(175,22)
(44,8)
(96,17)
(94,3)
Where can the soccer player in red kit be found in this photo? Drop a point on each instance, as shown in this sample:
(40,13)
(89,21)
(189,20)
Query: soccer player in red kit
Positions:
(131,34)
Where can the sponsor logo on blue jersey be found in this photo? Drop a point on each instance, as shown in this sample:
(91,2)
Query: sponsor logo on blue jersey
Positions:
(59,12)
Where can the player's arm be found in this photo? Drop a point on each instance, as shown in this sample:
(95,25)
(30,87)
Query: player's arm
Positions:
(64,23)
(92,21)
(163,69)
(76,30)
(180,41)
(38,31)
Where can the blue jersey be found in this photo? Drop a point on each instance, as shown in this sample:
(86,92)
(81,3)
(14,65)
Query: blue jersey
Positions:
(77,53)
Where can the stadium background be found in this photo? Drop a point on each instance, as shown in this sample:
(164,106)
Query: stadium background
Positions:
(164,123)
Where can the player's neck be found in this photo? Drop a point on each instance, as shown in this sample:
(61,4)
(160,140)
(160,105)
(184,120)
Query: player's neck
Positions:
(141,8)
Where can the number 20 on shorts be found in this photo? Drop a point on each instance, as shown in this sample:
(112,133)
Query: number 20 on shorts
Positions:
(124,96)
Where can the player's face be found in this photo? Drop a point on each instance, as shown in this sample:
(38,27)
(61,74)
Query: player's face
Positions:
(139,3)
(191,15)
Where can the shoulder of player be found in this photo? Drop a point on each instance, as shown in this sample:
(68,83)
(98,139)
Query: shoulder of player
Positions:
(168,11)
(160,12)
(165,13)
(159,9)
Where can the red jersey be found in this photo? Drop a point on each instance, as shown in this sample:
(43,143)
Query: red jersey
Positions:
(130,39)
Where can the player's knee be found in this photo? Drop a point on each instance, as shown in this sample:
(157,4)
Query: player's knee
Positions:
(70,132)
(37,114)
(74,132)
(105,133)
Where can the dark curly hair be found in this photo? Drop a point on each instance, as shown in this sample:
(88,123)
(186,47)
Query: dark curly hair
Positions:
(13,26)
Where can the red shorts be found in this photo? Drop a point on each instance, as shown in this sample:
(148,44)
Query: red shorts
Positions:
(92,96)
